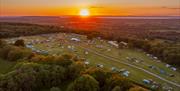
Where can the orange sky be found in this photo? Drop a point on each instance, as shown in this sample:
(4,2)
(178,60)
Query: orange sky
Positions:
(96,7)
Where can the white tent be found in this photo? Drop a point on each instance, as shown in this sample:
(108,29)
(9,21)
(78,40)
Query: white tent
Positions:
(86,63)
(86,52)
(114,43)
(124,43)
(75,39)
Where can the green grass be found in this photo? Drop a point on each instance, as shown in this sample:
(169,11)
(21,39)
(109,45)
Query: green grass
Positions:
(121,54)
(5,66)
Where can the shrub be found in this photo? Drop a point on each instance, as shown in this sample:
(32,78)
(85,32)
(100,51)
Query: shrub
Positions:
(18,53)
(19,43)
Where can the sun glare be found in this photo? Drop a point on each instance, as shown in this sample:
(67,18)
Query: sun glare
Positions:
(84,12)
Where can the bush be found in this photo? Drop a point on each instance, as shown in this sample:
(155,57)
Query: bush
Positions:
(19,43)
(18,53)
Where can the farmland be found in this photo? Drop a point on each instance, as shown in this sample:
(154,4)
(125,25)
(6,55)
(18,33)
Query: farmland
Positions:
(99,52)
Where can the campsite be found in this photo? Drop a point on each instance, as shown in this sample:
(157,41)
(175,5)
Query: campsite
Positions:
(135,64)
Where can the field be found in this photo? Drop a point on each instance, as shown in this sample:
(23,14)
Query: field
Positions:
(5,66)
(100,52)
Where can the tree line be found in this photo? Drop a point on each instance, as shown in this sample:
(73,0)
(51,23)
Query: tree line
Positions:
(168,51)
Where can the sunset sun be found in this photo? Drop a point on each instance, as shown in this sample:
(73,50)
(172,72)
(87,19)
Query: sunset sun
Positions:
(84,12)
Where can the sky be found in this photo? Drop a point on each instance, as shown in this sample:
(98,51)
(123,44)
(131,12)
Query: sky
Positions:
(96,7)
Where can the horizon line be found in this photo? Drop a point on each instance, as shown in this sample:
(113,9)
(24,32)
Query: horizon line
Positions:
(89,16)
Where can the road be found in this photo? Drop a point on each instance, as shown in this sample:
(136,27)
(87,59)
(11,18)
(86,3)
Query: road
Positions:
(133,66)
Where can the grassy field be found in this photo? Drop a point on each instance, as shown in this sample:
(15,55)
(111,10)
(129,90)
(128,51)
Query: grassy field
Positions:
(6,66)
(121,54)
(59,43)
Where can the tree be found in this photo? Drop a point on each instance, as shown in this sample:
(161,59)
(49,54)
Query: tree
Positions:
(99,74)
(26,74)
(19,43)
(75,69)
(117,80)
(84,83)
(64,60)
